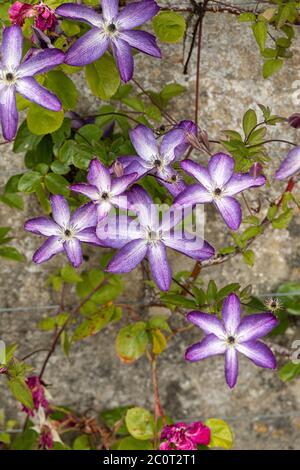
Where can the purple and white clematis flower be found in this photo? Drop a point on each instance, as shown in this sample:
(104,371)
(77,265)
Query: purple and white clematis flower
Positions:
(290,166)
(65,232)
(112,28)
(18,77)
(147,237)
(233,335)
(102,190)
(218,184)
(156,159)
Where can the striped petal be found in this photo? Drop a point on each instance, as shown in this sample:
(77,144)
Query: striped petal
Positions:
(90,47)
(159,265)
(255,326)
(34,92)
(50,248)
(136,14)
(74,252)
(8,113)
(209,346)
(11,48)
(231,313)
(230,210)
(128,257)
(80,13)
(123,57)
(42,226)
(60,210)
(220,168)
(143,41)
(231,366)
(209,323)
(42,62)
(258,353)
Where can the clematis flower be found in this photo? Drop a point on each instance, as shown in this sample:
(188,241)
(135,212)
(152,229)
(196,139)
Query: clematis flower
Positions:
(46,428)
(190,133)
(45,18)
(19,11)
(218,184)
(156,159)
(290,166)
(19,77)
(147,237)
(294,120)
(102,190)
(180,436)
(112,29)
(233,335)
(65,232)
(40,395)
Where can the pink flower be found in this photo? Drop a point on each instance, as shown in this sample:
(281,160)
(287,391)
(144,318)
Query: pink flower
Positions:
(19,11)
(46,19)
(180,436)
(38,395)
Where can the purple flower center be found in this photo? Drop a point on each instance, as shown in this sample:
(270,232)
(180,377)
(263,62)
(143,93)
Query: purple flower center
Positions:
(112,28)
(9,77)
(218,191)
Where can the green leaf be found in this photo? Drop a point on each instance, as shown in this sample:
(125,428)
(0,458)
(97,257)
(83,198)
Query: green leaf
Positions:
(25,140)
(169,26)
(12,200)
(95,323)
(221,435)
(82,443)
(159,342)
(21,392)
(131,342)
(69,274)
(11,253)
(41,121)
(115,415)
(291,297)
(171,91)
(57,184)
(249,121)
(29,181)
(283,220)
(159,321)
(289,371)
(63,87)
(103,77)
(246,17)
(70,28)
(249,257)
(129,443)
(271,66)
(140,423)
(260,31)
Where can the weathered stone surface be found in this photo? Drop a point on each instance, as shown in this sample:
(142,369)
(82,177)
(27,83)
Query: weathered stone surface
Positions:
(263,412)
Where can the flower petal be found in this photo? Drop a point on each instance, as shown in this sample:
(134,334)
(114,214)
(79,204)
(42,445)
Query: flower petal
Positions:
(231,313)
(159,265)
(109,9)
(99,176)
(11,48)
(241,181)
(209,346)
(60,210)
(119,185)
(257,325)
(42,226)
(189,128)
(74,252)
(141,203)
(231,366)
(123,57)
(170,141)
(51,247)
(144,142)
(80,13)
(88,48)
(128,257)
(103,210)
(88,235)
(116,232)
(230,210)
(34,92)
(220,168)
(258,353)
(194,194)
(195,247)
(8,113)
(209,323)
(87,190)
(197,171)
(42,62)
(136,14)
(143,41)
(290,166)
(172,180)
(85,216)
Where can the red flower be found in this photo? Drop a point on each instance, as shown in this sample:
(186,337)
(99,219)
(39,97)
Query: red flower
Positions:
(19,11)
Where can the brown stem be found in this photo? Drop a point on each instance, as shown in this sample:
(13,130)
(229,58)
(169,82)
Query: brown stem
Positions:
(158,411)
(200,31)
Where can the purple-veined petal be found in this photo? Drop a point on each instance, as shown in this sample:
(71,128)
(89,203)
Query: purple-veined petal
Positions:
(209,346)
(209,323)
(231,313)
(141,203)
(80,13)
(102,209)
(174,182)
(239,182)
(88,48)
(42,62)
(231,366)
(255,326)
(34,92)
(74,252)
(290,166)
(85,216)
(120,201)
(128,257)
(119,185)
(194,194)
(88,235)
(116,232)
(8,113)
(136,14)
(159,265)
(230,210)
(195,247)
(87,190)
(42,226)
(170,141)
(144,142)
(258,353)
(99,176)
(197,171)
(123,57)
(51,247)
(143,41)
(137,165)
(220,168)
(109,9)
(189,128)
(60,210)
(11,48)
